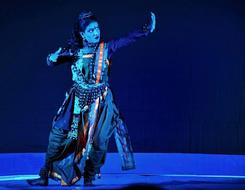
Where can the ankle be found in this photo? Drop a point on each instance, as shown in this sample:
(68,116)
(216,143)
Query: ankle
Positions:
(88,182)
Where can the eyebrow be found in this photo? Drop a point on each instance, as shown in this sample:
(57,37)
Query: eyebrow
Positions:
(94,27)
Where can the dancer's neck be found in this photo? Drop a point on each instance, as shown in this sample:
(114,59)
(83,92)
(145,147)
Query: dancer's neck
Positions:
(89,45)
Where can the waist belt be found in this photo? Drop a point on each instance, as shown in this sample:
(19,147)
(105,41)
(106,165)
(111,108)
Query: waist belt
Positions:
(87,96)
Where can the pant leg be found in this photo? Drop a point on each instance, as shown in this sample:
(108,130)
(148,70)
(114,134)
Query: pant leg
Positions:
(101,137)
(56,144)
(58,136)
(124,145)
(98,153)
(109,122)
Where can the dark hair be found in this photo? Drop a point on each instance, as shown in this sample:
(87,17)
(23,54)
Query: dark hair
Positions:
(83,20)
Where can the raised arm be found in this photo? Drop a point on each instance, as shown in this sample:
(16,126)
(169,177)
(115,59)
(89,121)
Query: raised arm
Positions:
(62,55)
(115,44)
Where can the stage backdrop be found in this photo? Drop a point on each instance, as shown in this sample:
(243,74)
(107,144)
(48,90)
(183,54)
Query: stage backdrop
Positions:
(181,89)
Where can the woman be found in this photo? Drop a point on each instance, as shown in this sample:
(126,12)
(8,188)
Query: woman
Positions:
(88,116)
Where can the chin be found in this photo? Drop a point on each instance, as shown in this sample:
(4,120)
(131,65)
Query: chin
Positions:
(97,40)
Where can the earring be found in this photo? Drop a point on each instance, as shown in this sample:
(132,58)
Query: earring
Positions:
(81,33)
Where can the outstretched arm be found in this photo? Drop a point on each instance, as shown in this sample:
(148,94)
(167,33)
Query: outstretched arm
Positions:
(114,45)
(62,55)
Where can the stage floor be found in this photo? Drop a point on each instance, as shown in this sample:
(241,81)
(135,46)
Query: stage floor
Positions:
(173,171)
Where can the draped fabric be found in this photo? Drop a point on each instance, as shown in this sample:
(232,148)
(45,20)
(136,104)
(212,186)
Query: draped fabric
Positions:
(108,122)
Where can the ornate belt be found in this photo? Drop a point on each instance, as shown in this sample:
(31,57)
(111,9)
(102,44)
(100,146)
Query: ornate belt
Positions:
(88,94)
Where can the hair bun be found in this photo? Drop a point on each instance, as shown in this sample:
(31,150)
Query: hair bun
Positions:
(85,14)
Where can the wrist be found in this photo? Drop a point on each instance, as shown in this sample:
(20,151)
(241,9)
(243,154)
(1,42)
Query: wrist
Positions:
(146,28)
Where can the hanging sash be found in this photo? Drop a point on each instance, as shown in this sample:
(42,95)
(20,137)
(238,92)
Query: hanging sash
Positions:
(100,61)
(101,56)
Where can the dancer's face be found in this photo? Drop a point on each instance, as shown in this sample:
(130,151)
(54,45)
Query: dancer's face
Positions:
(91,33)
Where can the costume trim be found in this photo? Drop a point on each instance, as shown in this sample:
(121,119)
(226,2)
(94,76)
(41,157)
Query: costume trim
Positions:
(100,62)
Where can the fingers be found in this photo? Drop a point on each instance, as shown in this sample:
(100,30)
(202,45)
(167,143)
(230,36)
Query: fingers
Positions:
(59,50)
(153,16)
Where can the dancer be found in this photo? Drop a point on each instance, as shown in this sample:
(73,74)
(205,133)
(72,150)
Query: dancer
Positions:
(82,127)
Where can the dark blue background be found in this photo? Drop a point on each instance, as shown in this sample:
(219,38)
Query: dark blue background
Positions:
(181,89)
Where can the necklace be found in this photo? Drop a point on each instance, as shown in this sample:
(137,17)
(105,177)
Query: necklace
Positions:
(87,50)
(84,53)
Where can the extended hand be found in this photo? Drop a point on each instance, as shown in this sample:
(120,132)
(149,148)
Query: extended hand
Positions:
(152,24)
(54,56)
